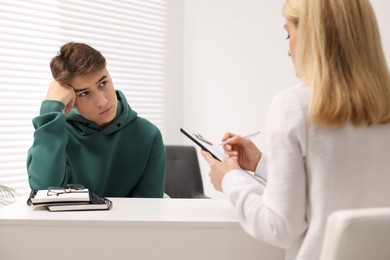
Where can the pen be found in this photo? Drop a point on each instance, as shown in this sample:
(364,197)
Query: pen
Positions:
(245,136)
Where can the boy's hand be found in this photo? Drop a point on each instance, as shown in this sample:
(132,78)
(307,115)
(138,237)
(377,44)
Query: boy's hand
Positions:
(64,94)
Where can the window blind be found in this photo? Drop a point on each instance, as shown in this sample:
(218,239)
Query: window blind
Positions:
(131,34)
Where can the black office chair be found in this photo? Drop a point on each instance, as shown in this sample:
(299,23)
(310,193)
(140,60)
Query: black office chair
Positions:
(183,179)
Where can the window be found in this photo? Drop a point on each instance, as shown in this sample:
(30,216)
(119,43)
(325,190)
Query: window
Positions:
(131,34)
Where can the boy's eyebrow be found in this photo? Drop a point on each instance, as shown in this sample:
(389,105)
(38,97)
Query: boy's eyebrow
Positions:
(83,89)
(80,90)
(102,78)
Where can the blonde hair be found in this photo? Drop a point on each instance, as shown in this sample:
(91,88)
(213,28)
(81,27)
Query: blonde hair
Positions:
(340,56)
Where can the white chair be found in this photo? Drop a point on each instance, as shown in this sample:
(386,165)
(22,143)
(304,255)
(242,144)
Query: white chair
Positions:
(358,234)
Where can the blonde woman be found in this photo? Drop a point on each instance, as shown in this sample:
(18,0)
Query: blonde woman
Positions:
(327,140)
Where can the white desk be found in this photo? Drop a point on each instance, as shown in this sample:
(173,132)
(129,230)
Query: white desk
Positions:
(133,229)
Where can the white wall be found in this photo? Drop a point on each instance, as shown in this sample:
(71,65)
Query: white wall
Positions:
(235,61)
(174,95)
(382,11)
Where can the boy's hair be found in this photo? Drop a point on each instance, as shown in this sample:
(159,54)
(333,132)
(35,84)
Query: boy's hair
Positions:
(339,55)
(75,59)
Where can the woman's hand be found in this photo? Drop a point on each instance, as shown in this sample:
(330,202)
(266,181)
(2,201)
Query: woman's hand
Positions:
(64,94)
(218,169)
(243,150)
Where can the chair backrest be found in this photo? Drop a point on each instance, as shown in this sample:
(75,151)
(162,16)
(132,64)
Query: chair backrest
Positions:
(183,179)
(358,234)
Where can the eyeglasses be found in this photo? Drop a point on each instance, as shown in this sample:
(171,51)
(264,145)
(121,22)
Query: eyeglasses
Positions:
(70,188)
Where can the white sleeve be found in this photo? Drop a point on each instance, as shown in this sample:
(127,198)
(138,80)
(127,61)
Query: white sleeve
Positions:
(261,168)
(276,213)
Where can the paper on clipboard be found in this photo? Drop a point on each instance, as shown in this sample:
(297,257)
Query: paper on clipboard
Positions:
(215,151)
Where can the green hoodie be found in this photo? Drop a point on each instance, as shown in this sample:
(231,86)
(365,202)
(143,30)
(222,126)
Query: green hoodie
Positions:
(123,159)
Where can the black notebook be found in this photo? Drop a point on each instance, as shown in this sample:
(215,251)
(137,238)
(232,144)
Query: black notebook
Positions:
(96,202)
(81,199)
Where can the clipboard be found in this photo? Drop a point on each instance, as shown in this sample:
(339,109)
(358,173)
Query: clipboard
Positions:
(216,152)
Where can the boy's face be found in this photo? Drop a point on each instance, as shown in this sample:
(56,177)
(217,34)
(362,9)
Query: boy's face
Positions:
(95,97)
